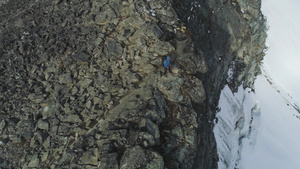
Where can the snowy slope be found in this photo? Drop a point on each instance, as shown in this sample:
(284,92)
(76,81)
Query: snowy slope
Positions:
(277,143)
(261,130)
(283,57)
(258,130)
(238,112)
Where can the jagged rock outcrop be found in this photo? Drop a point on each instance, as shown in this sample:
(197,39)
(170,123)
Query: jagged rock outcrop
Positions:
(232,35)
(82,85)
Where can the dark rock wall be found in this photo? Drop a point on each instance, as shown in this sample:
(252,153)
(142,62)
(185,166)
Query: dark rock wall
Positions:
(82,82)
(232,36)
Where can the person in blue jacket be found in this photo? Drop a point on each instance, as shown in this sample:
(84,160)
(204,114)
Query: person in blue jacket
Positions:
(167,65)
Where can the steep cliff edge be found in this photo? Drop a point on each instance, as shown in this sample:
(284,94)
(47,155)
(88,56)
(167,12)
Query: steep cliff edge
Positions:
(82,82)
(232,36)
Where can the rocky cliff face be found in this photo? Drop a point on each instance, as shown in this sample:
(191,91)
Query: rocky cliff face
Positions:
(232,36)
(82,82)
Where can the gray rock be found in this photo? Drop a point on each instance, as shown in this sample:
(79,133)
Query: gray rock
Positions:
(157,31)
(155,116)
(194,88)
(153,129)
(3,163)
(157,162)
(180,154)
(192,63)
(65,79)
(74,91)
(81,56)
(71,119)
(2,125)
(47,143)
(65,158)
(85,83)
(109,161)
(177,131)
(15,139)
(106,15)
(42,125)
(100,80)
(34,162)
(148,139)
(154,5)
(44,156)
(170,86)
(50,109)
(90,157)
(133,158)
(137,157)
(114,48)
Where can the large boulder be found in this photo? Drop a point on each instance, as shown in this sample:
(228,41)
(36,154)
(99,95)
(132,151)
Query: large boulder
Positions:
(137,157)
(171,87)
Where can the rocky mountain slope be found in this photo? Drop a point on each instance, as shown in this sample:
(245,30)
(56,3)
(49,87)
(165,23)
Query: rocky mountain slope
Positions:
(82,82)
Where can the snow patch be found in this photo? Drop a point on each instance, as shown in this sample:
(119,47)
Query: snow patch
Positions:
(237,120)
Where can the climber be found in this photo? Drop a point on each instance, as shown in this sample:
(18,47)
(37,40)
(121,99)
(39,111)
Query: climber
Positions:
(167,65)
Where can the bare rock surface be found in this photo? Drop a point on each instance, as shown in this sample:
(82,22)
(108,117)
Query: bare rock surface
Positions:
(82,86)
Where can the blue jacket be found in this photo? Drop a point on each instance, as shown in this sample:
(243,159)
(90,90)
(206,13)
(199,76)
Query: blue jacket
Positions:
(167,62)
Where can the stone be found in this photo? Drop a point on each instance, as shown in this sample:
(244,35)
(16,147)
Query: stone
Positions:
(180,154)
(157,161)
(114,48)
(162,48)
(137,157)
(155,115)
(81,56)
(47,143)
(192,63)
(42,125)
(157,31)
(153,129)
(34,162)
(65,158)
(85,83)
(175,69)
(44,156)
(15,139)
(177,131)
(3,163)
(148,139)
(2,125)
(194,88)
(109,161)
(74,91)
(170,86)
(148,68)
(71,119)
(106,15)
(50,109)
(65,79)
(133,158)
